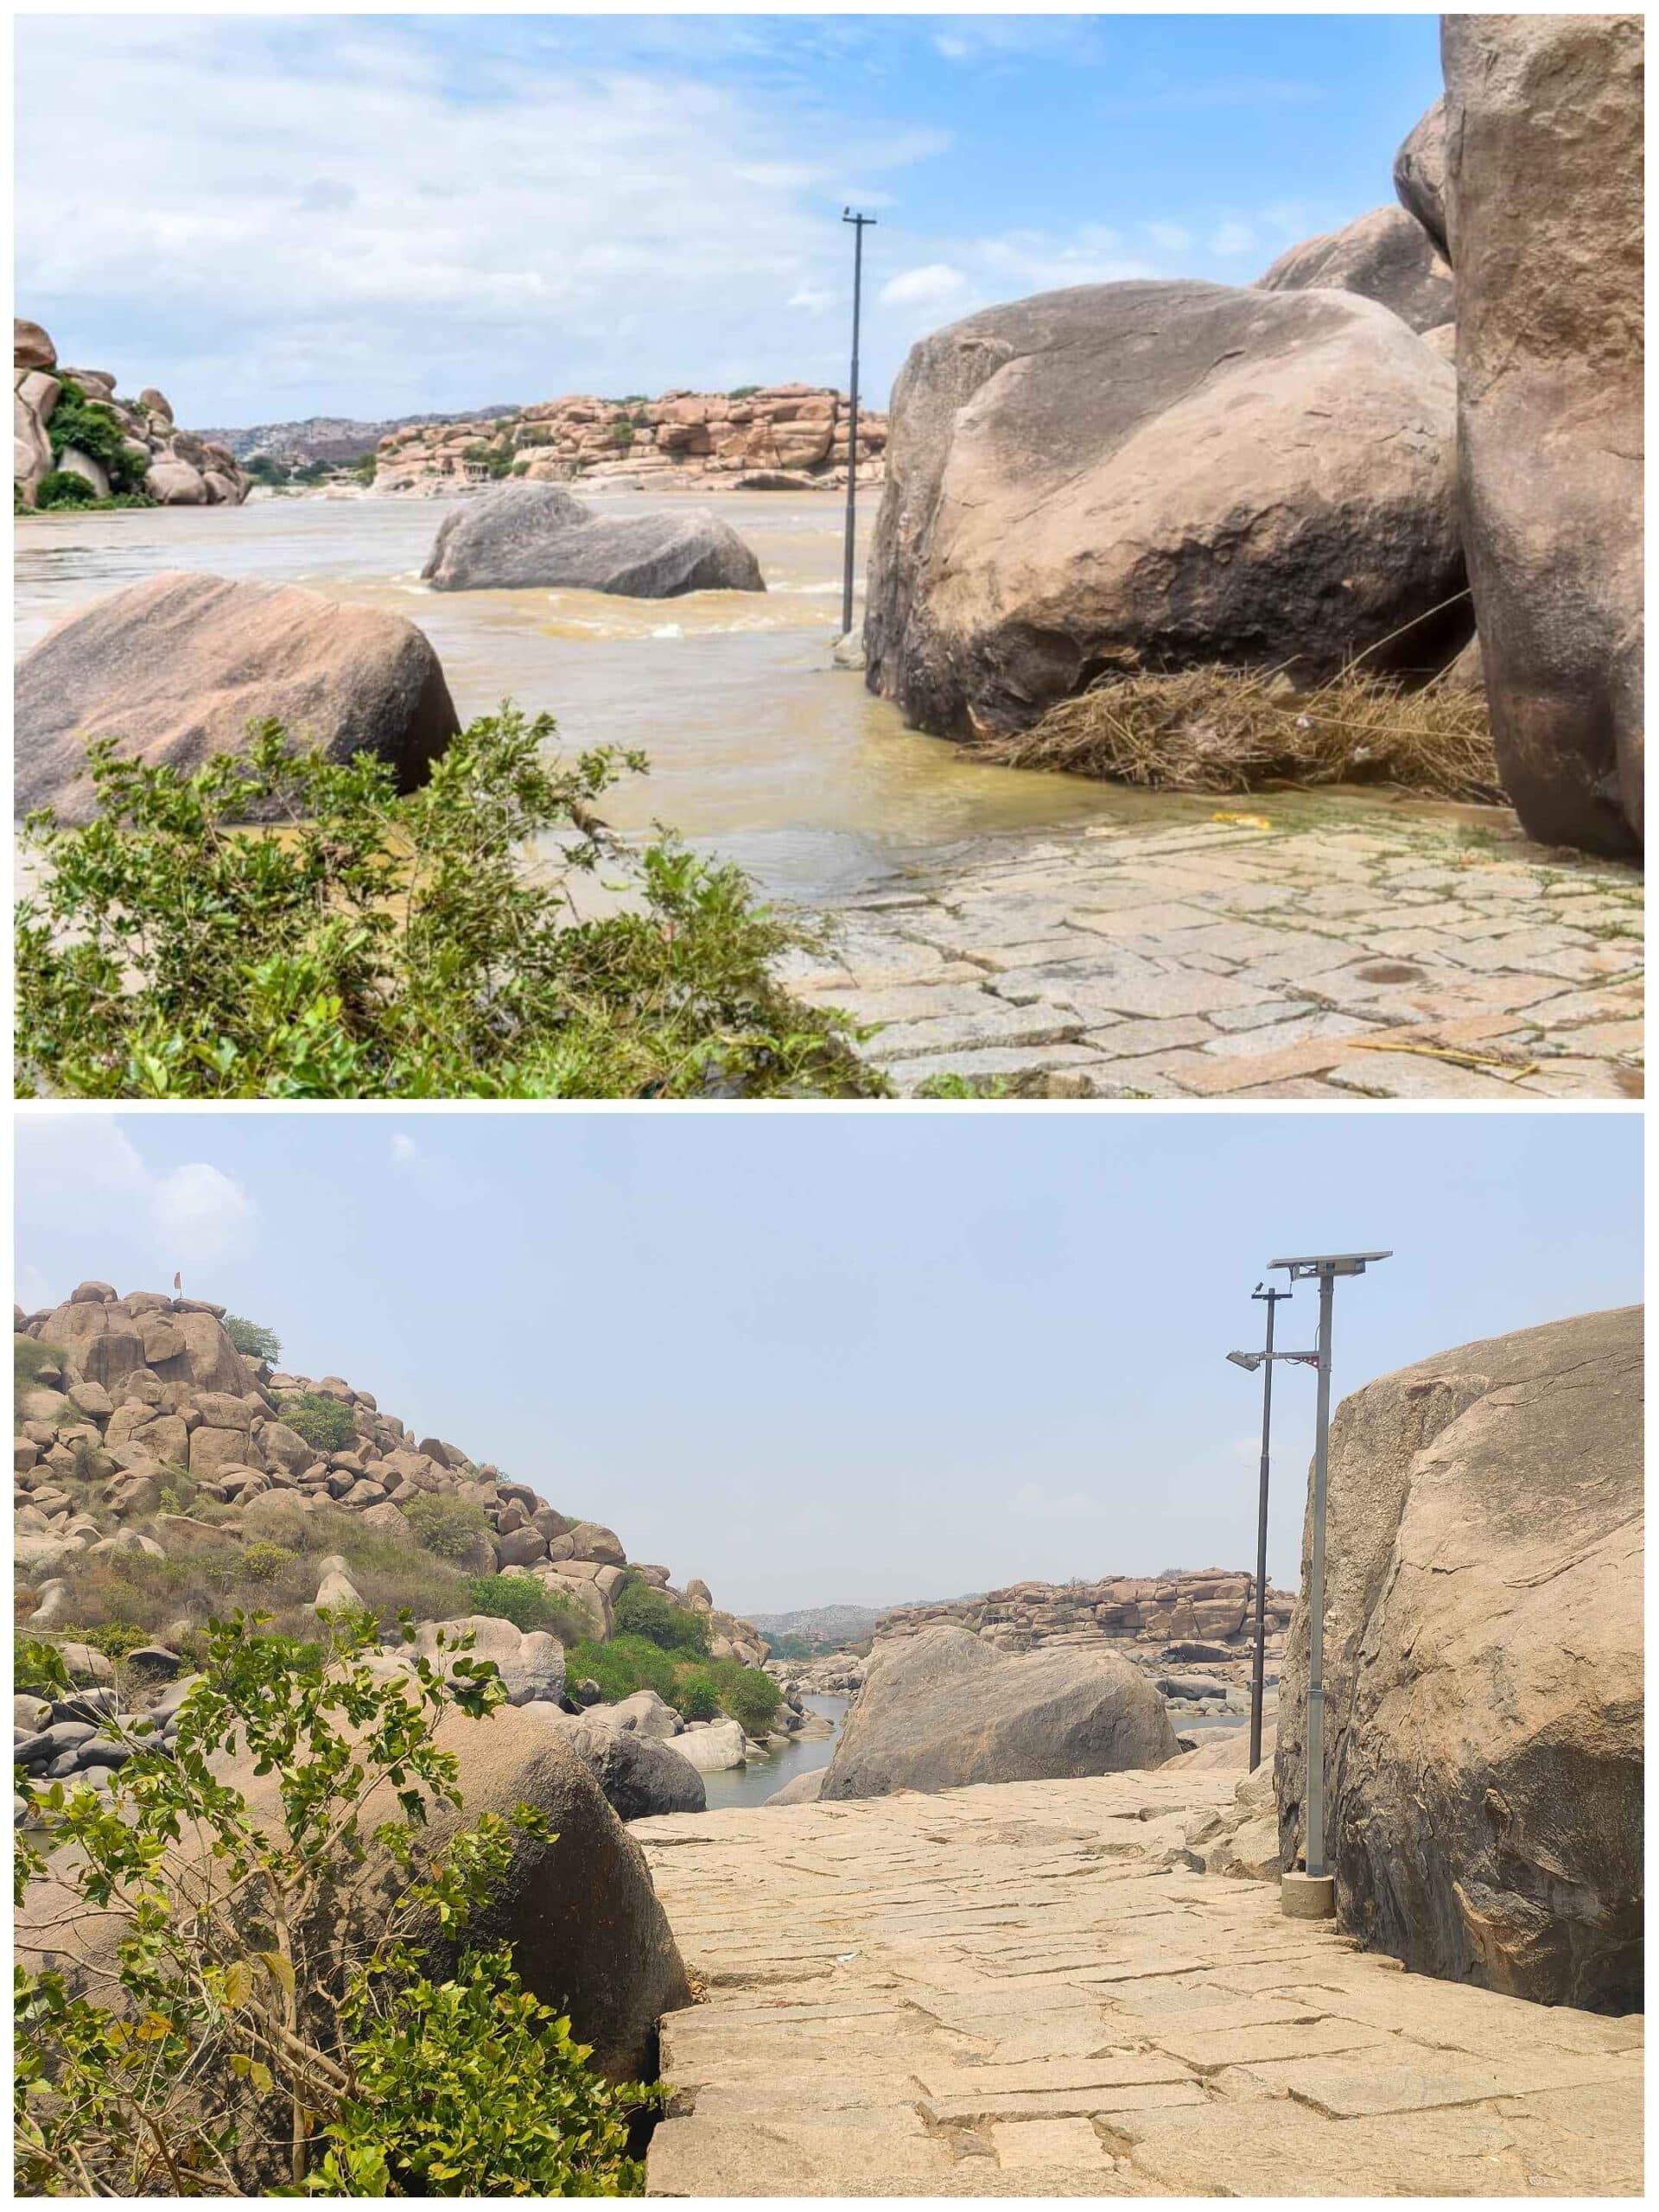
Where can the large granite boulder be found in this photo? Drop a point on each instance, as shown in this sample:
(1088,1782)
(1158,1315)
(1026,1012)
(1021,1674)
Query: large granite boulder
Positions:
(640,1774)
(1482,1651)
(1420,175)
(587,1933)
(944,1708)
(536,535)
(1160,474)
(177,667)
(1543,193)
(1384,256)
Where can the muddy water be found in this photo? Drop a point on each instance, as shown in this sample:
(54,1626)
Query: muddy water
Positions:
(758,747)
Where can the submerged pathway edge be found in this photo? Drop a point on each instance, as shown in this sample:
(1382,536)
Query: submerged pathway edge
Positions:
(1019,1989)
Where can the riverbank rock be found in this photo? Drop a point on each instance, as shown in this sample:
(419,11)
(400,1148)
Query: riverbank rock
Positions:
(944,1708)
(804,1789)
(1386,255)
(1543,192)
(714,1748)
(176,668)
(1160,474)
(536,535)
(178,469)
(1483,1665)
(640,1775)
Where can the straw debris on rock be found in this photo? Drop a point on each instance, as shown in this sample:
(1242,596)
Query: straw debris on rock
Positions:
(1230,730)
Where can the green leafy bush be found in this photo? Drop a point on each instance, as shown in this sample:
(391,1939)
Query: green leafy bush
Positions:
(30,1359)
(116,1639)
(448,1527)
(326,1423)
(697,1689)
(624,1665)
(315,2003)
(526,1603)
(94,428)
(751,1697)
(395,947)
(63,487)
(638,1610)
(696,1696)
(252,1339)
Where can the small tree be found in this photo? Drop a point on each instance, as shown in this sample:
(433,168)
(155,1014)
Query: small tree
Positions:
(252,1339)
(326,1423)
(269,1999)
(639,1609)
(447,1527)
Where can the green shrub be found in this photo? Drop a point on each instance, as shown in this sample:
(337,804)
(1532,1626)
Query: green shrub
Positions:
(526,1603)
(61,487)
(743,391)
(390,946)
(386,2073)
(116,1638)
(326,1423)
(626,1664)
(263,1562)
(95,429)
(638,1610)
(29,1360)
(751,1697)
(696,1696)
(252,1339)
(448,1527)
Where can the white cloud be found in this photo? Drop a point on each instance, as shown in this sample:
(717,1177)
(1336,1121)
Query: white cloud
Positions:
(191,1215)
(937,280)
(813,298)
(1233,237)
(272,216)
(403,1148)
(1173,238)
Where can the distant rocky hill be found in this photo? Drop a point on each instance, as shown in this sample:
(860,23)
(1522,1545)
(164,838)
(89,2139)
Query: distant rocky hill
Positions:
(830,1626)
(1209,1605)
(333,437)
(760,437)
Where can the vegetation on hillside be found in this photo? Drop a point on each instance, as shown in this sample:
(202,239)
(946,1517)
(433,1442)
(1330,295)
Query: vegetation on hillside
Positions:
(252,1338)
(284,2024)
(384,946)
(660,1646)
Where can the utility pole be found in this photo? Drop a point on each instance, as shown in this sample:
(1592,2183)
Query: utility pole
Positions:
(1310,1894)
(860,224)
(1258,1672)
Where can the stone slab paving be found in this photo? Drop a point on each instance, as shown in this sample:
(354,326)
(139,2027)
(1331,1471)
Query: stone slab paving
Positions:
(1018,1990)
(1304,947)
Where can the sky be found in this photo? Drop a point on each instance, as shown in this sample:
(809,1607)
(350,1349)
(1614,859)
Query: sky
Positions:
(273,217)
(837,1357)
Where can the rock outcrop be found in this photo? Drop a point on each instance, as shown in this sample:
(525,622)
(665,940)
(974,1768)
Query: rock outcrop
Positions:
(525,535)
(134,1393)
(1205,1614)
(1163,475)
(175,467)
(789,436)
(177,667)
(640,1775)
(944,1709)
(1483,1648)
(1543,201)
(1386,255)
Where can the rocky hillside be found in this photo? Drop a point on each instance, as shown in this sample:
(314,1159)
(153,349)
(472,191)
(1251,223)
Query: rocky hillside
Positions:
(828,1627)
(1214,1605)
(772,437)
(158,1467)
(74,441)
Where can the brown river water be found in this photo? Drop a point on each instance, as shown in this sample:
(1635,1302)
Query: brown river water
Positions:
(760,748)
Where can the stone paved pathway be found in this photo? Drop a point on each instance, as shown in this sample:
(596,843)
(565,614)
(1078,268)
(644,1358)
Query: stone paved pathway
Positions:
(1306,947)
(1006,1991)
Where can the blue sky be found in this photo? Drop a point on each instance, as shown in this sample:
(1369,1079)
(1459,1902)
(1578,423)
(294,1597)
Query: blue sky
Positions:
(275,216)
(820,1357)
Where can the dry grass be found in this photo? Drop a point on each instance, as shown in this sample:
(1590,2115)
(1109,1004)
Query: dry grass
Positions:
(1233,730)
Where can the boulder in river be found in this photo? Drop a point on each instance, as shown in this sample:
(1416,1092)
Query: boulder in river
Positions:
(804,1789)
(1483,1645)
(1385,256)
(946,1708)
(176,668)
(536,535)
(1544,124)
(1161,475)
(714,1749)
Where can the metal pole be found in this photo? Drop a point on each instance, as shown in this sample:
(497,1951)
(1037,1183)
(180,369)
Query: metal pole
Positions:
(1314,1855)
(1257,1674)
(858,222)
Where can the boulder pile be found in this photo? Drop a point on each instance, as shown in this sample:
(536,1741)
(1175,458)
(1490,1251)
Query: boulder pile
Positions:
(773,437)
(179,469)
(136,1389)
(1484,1666)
